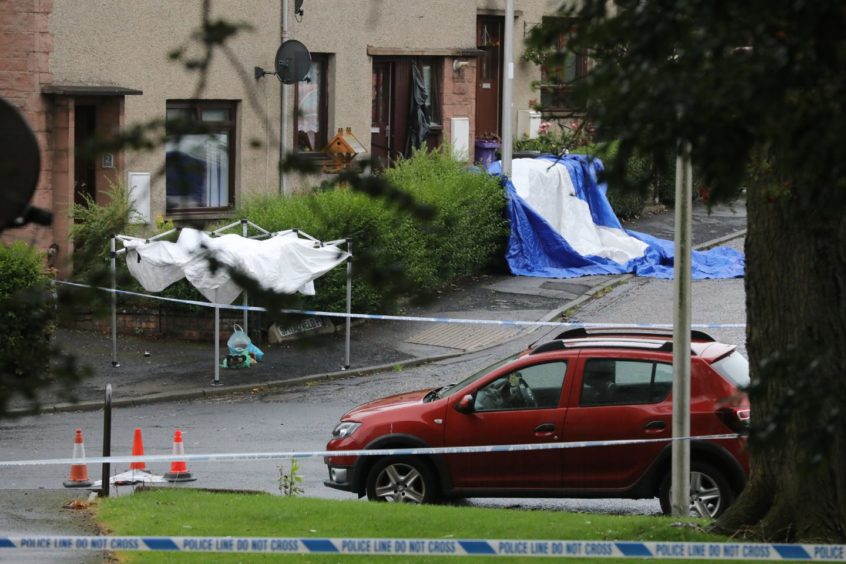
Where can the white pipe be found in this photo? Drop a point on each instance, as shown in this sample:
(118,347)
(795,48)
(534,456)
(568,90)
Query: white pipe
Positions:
(246,294)
(220,230)
(680,470)
(112,258)
(349,304)
(254,226)
(216,381)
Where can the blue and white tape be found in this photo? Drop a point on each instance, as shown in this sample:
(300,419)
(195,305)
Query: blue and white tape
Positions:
(437,547)
(446,320)
(371,452)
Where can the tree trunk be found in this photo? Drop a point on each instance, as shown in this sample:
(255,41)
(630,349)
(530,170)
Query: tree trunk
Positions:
(796,338)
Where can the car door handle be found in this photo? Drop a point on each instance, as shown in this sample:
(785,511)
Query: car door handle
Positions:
(655,426)
(545,428)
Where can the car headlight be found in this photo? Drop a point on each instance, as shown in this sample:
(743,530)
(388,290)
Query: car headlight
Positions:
(345,429)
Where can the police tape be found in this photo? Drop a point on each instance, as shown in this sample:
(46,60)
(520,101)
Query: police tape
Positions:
(435,547)
(368,452)
(380,317)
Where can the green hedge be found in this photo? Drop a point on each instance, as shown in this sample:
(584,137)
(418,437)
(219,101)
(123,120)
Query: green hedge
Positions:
(396,254)
(27,317)
(398,257)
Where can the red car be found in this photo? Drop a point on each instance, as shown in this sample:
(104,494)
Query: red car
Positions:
(585,385)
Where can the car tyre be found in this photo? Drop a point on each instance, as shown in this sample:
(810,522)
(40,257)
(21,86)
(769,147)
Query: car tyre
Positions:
(401,480)
(708,486)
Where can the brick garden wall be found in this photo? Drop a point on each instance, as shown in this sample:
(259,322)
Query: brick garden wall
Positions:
(197,326)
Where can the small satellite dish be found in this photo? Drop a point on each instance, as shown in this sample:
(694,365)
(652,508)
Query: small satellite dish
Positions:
(293,61)
(20,163)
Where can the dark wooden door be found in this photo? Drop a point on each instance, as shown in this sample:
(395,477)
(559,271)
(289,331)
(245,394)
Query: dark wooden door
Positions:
(391,100)
(84,165)
(380,127)
(489,31)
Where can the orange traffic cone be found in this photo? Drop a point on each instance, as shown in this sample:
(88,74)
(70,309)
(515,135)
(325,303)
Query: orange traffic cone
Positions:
(78,472)
(178,469)
(137,450)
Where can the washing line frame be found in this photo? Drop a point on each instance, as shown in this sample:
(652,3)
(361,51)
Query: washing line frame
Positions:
(245,225)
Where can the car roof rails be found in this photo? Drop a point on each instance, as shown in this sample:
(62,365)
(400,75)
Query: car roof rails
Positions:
(571,344)
(630,331)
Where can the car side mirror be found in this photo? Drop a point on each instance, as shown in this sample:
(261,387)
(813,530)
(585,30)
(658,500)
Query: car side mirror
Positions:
(465,404)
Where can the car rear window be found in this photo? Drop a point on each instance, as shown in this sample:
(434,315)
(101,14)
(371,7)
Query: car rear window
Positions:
(734,368)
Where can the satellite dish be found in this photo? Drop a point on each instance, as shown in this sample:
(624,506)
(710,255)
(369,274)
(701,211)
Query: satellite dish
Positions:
(20,163)
(293,61)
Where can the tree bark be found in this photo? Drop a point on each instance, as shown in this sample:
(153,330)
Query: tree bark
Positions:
(796,339)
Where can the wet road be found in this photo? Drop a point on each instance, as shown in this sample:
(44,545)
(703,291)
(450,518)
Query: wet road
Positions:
(300,419)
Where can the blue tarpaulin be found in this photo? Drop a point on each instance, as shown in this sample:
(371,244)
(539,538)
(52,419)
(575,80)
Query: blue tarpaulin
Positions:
(562,226)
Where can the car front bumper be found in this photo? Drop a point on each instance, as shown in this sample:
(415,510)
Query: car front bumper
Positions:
(341,478)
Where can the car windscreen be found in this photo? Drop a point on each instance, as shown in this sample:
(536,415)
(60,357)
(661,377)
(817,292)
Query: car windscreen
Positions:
(473,377)
(734,368)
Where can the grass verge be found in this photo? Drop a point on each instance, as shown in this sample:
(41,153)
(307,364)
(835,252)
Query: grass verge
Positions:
(200,513)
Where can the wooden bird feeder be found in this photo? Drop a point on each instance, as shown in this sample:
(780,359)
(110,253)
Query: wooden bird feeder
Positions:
(341,150)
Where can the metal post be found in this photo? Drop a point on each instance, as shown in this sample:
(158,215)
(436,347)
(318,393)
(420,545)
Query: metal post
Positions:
(113,259)
(107,441)
(349,303)
(680,498)
(507,97)
(246,322)
(216,381)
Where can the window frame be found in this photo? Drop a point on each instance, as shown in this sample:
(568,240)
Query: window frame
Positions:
(562,90)
(564,366)
(583,402)
(436,79)
(322,138)
(229,126)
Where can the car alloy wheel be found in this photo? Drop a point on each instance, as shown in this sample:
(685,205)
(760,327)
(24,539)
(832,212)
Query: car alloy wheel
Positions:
(400,480)
(710,493)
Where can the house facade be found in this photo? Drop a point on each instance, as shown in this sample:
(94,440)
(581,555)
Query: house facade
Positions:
(83,69)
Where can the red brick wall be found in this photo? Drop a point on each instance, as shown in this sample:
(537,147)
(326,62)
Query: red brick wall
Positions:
(25,47)
(459,96)
(189,327)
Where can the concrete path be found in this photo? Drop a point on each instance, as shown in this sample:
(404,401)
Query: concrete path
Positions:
(164,370)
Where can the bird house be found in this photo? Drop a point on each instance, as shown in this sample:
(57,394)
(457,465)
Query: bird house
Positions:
(341,150)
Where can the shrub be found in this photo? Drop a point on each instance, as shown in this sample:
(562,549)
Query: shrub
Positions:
(94,225)
(27,316)
(397,255)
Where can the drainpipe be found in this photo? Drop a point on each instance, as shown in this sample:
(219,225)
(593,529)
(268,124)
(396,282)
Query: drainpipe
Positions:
(507,87)
(284,109)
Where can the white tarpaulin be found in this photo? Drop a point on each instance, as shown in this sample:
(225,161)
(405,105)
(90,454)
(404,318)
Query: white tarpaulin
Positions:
(284,263)
(549,190)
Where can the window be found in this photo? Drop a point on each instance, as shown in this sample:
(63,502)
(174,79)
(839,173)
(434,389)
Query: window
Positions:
(531,387)
(558,76)
(200,154)
(623,382)
(310,99)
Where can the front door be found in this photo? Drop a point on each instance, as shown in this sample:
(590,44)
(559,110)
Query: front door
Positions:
(520,407)
(380,127)
(391,103)
(84,165)
(489,31)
